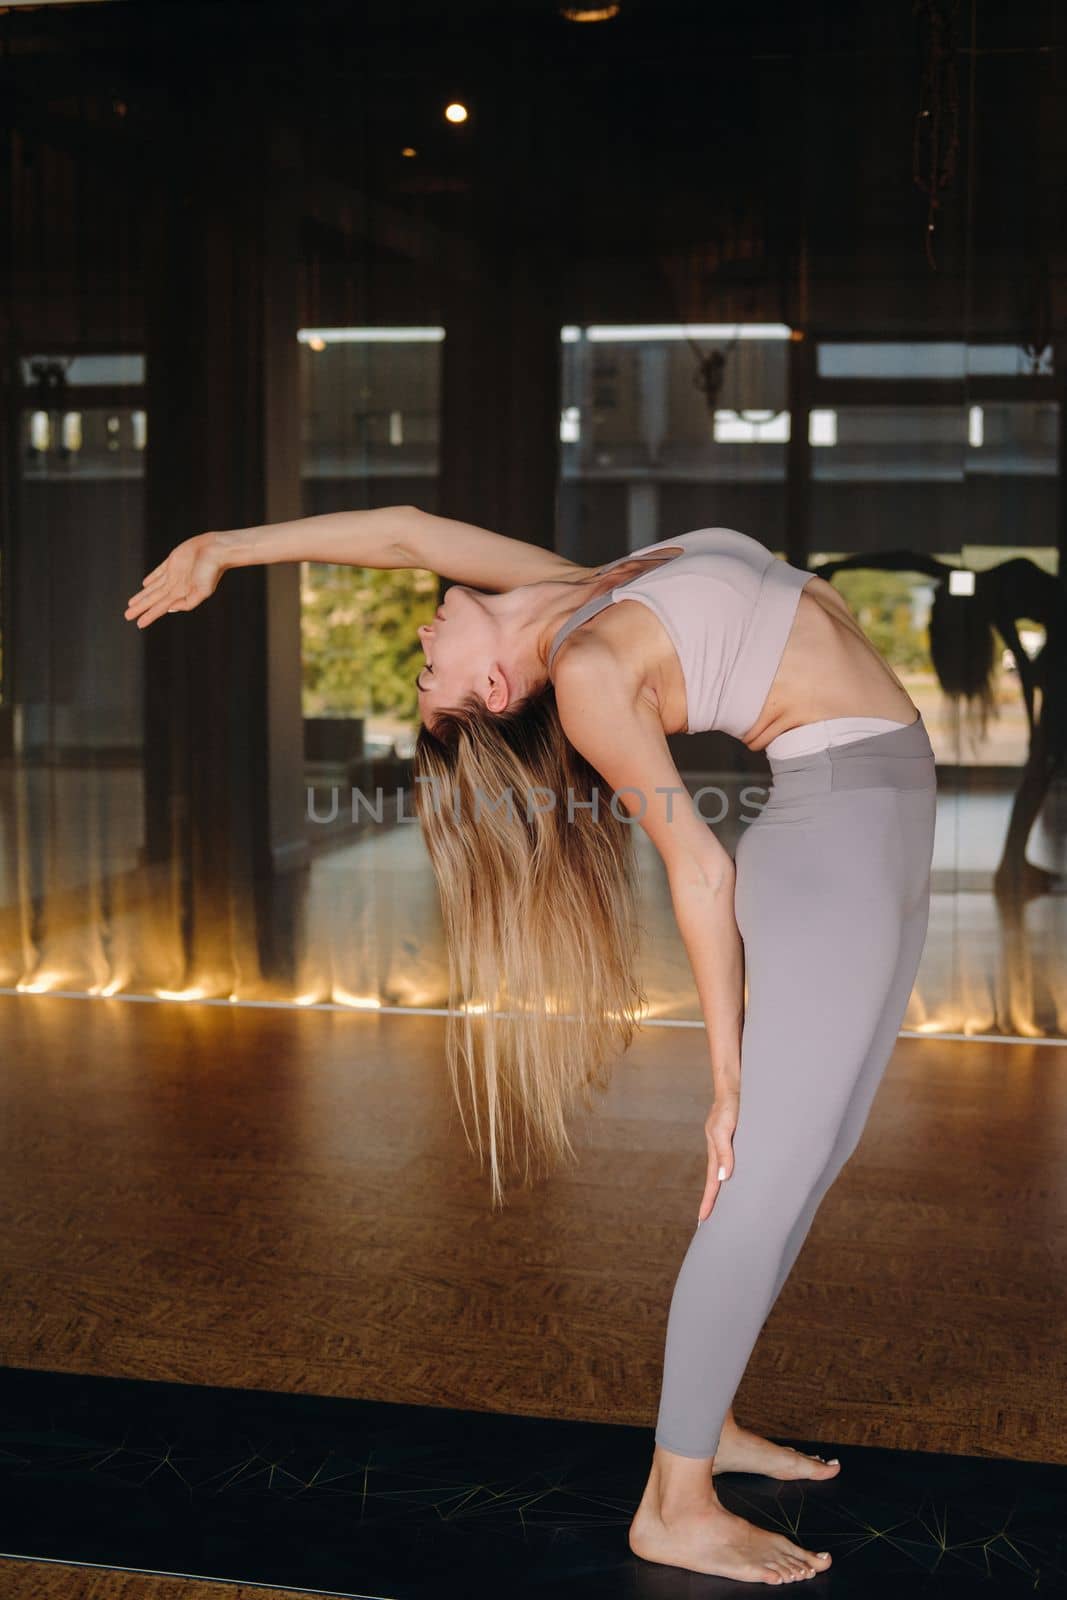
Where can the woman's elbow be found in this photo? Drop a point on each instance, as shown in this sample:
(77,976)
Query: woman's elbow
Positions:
(708,876)
(405,525)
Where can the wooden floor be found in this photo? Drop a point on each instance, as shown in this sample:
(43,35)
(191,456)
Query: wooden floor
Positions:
(282,1199)
(46,1580)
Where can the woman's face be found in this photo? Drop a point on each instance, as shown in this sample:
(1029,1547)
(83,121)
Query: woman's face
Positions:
(460,647)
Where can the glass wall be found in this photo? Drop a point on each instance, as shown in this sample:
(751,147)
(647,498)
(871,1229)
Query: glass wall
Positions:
(72,816)
(665,427)
(930,495)
(370,406)
(822,331)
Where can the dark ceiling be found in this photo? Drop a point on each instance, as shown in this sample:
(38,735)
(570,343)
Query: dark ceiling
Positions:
(672,120)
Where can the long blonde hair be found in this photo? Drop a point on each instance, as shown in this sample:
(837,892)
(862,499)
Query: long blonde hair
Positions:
(538,902)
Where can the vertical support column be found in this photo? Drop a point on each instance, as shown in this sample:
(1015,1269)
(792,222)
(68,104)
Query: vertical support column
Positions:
(642,497)
(501,377)
(798,450)
(1059,357)
(223,735)
(500,395)
(642,513)
(282,500)
(652,399)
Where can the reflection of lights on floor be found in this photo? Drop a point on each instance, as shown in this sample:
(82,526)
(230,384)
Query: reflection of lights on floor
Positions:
(969,1037)
(107,989)
(358,1002)
(927,1030)
(43,983)
(649,1012)
(413,999)
(977,1027)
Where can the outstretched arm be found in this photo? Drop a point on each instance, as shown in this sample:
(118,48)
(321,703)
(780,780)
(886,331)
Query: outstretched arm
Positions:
(621,736)
(191,572)
(393,536)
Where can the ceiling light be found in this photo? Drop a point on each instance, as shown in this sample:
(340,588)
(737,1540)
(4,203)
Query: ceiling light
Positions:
(589,13)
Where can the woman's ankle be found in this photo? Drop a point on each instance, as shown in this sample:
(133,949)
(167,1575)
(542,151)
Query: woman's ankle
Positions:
(681,1485)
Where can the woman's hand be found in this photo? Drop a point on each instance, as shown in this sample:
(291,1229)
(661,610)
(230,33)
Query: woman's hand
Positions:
(719,1128)
(188,575)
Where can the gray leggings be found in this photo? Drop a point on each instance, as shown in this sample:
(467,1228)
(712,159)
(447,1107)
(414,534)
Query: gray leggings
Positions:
(832,898)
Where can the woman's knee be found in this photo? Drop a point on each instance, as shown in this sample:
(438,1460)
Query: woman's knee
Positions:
(786,1139)
(770,1188)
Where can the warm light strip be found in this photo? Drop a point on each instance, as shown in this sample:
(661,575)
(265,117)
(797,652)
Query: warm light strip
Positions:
(371,335)
(443,1011)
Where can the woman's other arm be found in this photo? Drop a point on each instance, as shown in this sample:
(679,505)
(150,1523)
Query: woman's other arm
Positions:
(622,737)
(393,536)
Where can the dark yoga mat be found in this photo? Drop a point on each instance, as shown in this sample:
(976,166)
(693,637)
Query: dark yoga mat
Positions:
(357,1497)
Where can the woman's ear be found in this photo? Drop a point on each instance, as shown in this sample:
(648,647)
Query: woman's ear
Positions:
(499,691)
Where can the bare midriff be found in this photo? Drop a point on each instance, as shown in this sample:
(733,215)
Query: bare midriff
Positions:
(829,668)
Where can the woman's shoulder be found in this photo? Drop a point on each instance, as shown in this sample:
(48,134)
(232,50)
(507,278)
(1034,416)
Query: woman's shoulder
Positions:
(609,654)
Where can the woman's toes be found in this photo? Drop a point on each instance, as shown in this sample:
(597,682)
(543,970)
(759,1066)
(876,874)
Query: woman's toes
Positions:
(803,1564)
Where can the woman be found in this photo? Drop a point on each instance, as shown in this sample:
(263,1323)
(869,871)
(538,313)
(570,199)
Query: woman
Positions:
(551,686)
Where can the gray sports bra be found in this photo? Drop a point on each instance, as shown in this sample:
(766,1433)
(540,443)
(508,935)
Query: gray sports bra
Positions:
(727,605)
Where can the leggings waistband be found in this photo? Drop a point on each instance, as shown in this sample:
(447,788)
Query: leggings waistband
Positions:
(901,758)
(819,735)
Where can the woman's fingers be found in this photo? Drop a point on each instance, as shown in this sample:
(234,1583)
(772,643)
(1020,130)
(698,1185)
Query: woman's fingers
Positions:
(716,1179)
(724,1151)
(711,1189)
(153,588)
(719,1129)
(722,1138)
(188,575)
(159,594)
(147,608)
(158,609)
(161,574)
(713,1184)
(140,602)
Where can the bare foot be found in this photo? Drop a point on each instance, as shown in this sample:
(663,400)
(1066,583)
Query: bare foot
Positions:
(713,1541)
(741,1450)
